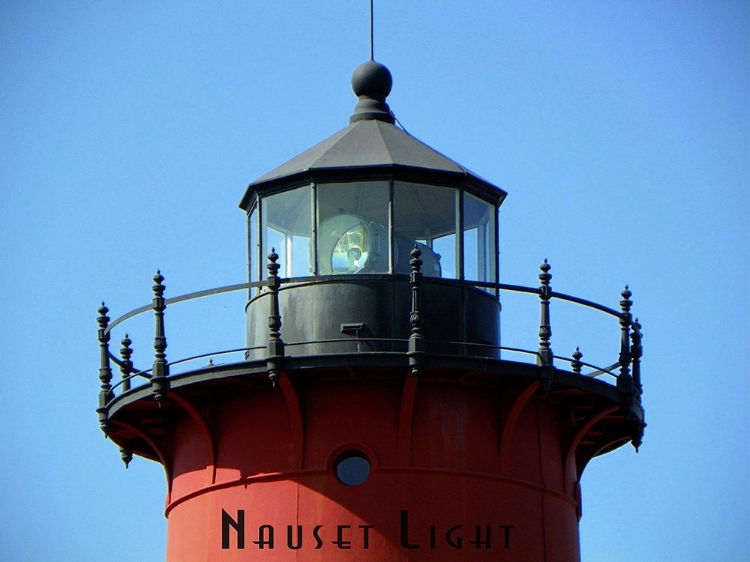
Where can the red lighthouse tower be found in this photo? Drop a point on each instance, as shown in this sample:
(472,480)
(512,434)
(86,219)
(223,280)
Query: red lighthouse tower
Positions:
(373,414)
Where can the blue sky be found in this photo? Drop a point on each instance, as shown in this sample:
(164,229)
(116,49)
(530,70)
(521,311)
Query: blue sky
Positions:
(619,129)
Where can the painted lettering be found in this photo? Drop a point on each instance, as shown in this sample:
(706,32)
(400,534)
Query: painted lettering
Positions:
(451,539)
(289,542)
(316,535)
(347,537)
(454,537)
(340,541)
(506,539)
(265,537)
(366,535)
(237,524)
(405,531)
(480,542)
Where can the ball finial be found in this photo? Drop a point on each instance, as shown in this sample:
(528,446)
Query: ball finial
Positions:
(372,79)
(372,83)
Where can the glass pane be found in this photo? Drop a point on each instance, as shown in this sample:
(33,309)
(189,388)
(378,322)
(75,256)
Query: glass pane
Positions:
(253,244)
(426,215)
(353,228)
(445,251)
(287,228)
(352,468)
(479,239)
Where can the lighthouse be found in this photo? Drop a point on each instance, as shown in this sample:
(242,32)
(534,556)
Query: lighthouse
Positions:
(374,413)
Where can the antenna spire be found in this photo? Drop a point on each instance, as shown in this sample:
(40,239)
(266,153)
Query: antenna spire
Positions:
(372,31)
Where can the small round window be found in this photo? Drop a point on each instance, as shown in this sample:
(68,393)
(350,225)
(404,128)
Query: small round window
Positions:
(352,468)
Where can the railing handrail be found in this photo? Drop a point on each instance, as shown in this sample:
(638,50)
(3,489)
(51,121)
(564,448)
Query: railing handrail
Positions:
(310,280)
(185,297)
(630,328)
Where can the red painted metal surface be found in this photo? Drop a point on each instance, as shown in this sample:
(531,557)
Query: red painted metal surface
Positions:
(459,472)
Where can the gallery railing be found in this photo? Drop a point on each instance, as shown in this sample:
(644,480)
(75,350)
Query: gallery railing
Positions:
(624,372)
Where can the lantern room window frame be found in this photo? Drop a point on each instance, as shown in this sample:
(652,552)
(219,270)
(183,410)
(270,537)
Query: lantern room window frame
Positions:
(274,209)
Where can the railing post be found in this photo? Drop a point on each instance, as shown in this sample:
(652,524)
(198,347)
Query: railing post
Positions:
(105,371)
(159,381)
(545,330)
(127,365)
(416,343)
(624,380)
(545,355)
(576,363)
(126,368)
(636,351)
(275,348)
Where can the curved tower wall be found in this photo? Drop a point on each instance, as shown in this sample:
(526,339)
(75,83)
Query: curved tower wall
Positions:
(371,314)
(461,470)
